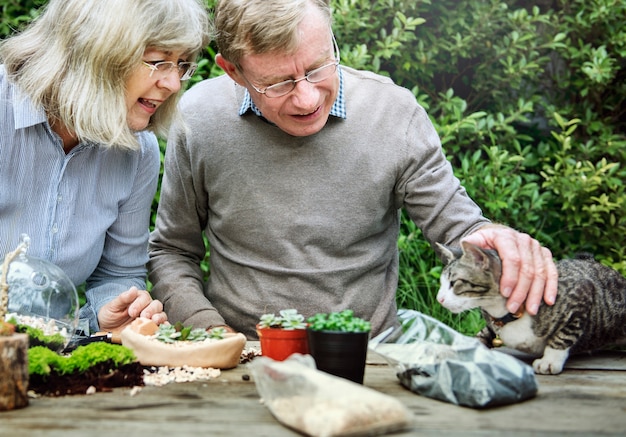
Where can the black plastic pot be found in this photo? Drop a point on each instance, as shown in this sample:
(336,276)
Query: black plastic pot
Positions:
(339,353)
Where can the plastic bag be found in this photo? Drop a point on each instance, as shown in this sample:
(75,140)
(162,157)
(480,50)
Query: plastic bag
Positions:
(316,403)
(434,360)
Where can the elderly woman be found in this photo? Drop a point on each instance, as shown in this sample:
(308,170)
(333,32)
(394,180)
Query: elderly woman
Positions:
(83,91)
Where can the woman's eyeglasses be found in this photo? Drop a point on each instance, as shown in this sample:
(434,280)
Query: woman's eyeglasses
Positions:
(185,69)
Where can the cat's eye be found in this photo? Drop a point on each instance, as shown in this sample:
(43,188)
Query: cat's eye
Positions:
(457,281)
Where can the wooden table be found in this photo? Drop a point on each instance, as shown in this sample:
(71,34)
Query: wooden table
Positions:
(588,398)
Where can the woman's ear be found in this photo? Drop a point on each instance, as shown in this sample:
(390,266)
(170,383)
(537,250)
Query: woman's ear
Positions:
(230,69)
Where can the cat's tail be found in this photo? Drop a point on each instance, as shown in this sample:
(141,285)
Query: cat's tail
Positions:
(584,256)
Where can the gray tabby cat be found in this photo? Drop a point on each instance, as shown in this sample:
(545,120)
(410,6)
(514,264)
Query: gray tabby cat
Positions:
(589,312)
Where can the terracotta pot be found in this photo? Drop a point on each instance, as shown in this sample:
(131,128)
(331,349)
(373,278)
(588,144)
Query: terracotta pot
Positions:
(278,344)
(13,371)
(221,354)
(340,353)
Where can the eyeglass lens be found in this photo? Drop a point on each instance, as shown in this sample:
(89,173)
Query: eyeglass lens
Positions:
(315,76)
(185,69)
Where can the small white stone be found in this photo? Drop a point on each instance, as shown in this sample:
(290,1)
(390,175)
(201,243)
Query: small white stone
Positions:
(134,391)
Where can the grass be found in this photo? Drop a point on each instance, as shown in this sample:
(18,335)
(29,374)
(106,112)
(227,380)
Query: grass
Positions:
(418,282)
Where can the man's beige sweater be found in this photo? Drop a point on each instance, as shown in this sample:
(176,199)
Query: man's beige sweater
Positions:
(309,223)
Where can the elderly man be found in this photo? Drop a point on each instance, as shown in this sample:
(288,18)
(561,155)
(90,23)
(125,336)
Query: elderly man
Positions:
(295,169)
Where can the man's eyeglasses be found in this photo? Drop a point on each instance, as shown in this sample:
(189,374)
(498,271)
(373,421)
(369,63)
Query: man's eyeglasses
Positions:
(314,76)
(185,69)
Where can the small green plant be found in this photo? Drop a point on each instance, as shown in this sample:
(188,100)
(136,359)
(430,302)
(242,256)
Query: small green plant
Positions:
(42,361)
(36,337)
(344,321)
(178,332)
(217,333)
(287,319)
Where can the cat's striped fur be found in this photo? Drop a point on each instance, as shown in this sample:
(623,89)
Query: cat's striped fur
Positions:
(589,312)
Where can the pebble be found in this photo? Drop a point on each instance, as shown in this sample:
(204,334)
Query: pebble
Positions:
(165,375)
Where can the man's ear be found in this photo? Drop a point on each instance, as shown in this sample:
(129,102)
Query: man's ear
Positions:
(230,69)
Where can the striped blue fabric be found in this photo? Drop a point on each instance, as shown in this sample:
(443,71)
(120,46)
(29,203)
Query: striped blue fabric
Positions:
(87,211)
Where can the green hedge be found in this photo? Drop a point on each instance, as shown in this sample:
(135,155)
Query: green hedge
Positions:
(529,101)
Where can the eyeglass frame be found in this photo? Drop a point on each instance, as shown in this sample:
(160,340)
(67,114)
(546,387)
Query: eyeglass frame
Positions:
(294,82)
(185,76)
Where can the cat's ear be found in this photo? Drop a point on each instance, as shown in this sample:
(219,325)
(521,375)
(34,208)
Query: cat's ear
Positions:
(447,253)
(476,253)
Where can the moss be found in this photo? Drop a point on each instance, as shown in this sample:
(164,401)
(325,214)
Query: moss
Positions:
(86,356)
(41,360)
(36,337)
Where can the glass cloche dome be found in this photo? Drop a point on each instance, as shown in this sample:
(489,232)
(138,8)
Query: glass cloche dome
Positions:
(41,295)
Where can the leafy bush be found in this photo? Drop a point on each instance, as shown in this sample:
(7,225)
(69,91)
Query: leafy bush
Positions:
(17,13)
(528,99)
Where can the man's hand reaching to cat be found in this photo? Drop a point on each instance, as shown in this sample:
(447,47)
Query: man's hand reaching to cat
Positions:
(528,270)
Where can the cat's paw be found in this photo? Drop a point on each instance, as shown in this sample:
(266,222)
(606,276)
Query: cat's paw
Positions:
(552,361)
(545,367)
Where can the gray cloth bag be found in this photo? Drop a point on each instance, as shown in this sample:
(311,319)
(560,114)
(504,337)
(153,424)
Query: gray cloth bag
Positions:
(436,361)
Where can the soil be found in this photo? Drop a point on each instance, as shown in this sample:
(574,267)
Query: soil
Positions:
(100,376)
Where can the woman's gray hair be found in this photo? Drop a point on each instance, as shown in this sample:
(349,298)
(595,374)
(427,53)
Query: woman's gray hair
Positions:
(261,26)
(75,58)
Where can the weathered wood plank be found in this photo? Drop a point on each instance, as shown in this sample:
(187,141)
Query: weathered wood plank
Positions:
(599,360)
(586,401)
(604,360)
(13,371)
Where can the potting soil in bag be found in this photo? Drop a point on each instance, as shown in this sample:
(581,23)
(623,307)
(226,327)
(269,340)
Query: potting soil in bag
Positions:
(318,404)
(434,360)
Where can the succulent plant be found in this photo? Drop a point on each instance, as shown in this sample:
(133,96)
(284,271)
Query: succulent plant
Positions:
(343,321)
(287,319)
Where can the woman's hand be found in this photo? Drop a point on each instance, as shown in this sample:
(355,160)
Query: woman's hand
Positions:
(133,303)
